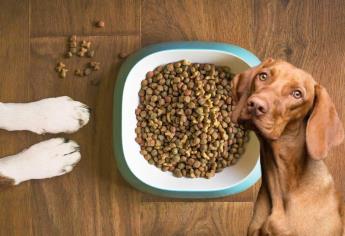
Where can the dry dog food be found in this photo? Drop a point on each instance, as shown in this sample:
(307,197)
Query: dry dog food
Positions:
(184,123)
(94,65)
(122,55)
(61,69)
(78,72)
(83,50)
(100,24)
(72,46)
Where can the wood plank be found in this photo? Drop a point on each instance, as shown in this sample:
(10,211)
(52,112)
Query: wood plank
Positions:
(308,34)
(221,20)
(182,218)
(63,17)
(14,57)
(94,196)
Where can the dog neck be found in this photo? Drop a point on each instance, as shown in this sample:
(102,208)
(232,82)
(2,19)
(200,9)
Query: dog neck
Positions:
(283,161)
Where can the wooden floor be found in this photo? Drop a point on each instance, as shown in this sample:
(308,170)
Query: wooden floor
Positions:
(94,199)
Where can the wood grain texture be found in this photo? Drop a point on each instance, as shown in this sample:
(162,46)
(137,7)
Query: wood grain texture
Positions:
(14,57)
(94,199)
(94,196)
(220,20)
(63,17)
(161,218)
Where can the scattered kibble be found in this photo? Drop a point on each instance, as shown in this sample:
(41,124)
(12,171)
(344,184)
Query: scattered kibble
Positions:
(84,49)
(100,24)
(72,46)
(184,123)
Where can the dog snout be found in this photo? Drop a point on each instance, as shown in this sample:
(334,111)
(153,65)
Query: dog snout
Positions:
(257,106)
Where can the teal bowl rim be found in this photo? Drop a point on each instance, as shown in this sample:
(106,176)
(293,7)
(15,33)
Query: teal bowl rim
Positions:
(124,169)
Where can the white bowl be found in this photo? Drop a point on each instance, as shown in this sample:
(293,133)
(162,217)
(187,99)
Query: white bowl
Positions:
(133,167)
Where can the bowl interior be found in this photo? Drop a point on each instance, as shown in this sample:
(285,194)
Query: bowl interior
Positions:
(153,176)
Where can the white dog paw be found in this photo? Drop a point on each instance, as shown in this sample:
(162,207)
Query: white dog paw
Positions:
(61,114)
(47,159)
(51,115)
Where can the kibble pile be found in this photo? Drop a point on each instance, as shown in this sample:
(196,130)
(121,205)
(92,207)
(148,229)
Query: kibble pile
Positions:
(184,123)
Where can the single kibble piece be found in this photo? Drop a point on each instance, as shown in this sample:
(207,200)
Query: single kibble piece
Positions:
(149,74)
(82,52)
(78,72)
(122,55)
(69,55)
(100,24)
(87,71)
(60,66)
(63,73)
(95,65)
(184,119)
(85,44)
(177,173)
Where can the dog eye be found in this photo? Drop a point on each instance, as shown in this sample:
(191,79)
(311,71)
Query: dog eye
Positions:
(263,76)
(297,94)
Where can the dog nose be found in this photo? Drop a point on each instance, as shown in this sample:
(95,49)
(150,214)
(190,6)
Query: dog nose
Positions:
(257,106)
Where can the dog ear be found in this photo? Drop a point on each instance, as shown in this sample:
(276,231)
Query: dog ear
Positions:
(241,83)
(324,128)
(242,86)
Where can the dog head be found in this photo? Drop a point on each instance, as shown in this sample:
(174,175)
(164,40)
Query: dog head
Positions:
(275,94)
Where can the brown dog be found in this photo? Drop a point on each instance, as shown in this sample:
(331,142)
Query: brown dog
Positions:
(296,123)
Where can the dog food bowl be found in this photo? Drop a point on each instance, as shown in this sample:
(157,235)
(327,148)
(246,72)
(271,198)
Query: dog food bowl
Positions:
(133,167)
